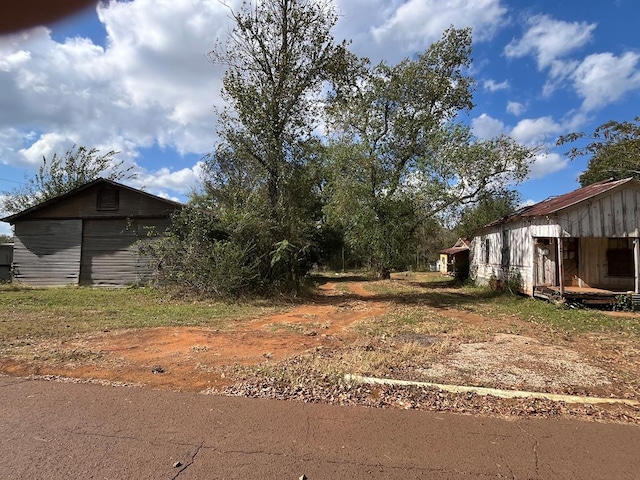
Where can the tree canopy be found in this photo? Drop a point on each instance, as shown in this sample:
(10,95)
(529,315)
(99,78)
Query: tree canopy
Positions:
(61,174)
(398,156)
(613,151)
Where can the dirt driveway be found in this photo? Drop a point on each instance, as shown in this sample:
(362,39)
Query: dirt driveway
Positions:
(192,358)
(498,351)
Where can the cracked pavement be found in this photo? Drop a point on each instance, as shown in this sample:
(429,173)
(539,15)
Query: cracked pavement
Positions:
(58,430)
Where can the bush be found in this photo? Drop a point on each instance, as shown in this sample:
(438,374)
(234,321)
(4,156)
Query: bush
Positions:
(196,254)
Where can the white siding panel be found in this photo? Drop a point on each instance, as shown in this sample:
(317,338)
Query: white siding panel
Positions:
(47,252)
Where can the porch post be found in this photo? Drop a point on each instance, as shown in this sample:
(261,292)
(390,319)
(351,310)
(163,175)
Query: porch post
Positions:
(560,267)
(636,264)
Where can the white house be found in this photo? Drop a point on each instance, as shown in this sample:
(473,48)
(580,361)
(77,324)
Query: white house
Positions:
(582,245)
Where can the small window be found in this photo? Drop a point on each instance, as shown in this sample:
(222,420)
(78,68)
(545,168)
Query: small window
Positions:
(108,199)
(487,251)
(619,258)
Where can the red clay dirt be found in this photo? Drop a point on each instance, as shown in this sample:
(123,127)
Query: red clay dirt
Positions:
(193,359)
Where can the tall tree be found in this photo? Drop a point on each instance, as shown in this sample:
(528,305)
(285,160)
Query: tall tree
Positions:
(61,174)
(278,56)
(487,209)
(399,158)
(613,148)
(263,176)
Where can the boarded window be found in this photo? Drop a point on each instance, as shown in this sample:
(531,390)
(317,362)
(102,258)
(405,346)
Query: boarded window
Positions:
(619,258)
(108,199)
(487,251)
(506,248)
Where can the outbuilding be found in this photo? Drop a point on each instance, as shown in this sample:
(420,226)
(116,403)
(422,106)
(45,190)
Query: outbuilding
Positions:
(456,258)
(88,236)
(581,246)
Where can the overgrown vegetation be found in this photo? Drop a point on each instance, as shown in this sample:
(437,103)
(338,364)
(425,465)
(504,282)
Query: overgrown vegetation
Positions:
(372,190)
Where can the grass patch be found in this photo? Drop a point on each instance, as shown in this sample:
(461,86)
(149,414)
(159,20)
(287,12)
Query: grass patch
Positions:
(29,313)
(556,317)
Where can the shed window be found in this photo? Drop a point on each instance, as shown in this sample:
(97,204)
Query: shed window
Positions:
(108,199)
(619,258)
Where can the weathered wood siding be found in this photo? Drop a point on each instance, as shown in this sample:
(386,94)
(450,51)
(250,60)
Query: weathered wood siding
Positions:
(594,269)
(109,254)
(510,254)
(47,252)
(614,214)
(84,205)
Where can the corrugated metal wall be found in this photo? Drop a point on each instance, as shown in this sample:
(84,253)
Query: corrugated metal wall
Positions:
(6,259)
(47,252)
(109,256)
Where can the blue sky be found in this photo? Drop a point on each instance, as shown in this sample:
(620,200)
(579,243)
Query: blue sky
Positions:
(133,76)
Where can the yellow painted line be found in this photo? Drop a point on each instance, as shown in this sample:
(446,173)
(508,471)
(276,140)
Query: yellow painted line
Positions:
(491,391)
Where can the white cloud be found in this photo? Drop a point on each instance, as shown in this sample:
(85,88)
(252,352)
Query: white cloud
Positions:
(516,108)
(151,83)
(158,181)
(485,127)
(547,163)
(604,78)
(393,29)
(536,131)
(549,39)
(494,86)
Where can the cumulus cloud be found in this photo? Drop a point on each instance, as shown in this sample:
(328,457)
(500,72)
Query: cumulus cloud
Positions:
(150,85)
(515,108)
(548,39)
(604,78)
(391,30)
(536,131)
(158,181)
(485,127)
(547,163)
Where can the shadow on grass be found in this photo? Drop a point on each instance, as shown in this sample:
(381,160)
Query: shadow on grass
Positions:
(435,294)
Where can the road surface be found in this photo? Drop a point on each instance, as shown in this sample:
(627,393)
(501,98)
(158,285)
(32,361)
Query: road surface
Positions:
(53,430)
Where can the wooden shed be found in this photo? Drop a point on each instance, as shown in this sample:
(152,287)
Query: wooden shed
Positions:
(88,236)
(455,258)
(581,246)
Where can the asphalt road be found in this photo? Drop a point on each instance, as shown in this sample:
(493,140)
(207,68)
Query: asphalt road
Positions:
(51,430)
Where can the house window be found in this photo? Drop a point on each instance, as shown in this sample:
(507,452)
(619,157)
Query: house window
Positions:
(506,248)
(487,250)
(619,258)
(108,199)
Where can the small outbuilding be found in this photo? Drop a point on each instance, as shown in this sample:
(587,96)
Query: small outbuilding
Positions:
(581,246)
(88,236)
(456,258)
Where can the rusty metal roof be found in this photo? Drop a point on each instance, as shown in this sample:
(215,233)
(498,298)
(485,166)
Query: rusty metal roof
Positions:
(554,204)
(454,250)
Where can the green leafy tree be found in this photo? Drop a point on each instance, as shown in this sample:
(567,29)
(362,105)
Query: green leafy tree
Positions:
(61,174)
(613,150)
(399,159)
(263,178)
(487,209)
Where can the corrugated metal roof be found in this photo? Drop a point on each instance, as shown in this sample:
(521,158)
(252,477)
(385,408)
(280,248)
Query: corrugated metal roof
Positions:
(554,204)
(454,250)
